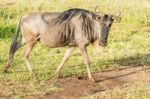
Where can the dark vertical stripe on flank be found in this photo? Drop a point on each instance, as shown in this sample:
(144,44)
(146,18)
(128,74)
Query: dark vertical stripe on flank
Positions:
(85,20)
(88,27)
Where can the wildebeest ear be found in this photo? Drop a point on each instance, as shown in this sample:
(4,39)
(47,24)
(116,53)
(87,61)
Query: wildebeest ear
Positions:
(116,19)
(96,17)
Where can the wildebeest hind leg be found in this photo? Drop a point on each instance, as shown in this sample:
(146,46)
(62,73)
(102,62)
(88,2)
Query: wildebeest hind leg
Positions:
(28,48)
(66,57)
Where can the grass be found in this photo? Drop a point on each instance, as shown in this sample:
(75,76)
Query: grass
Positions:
(128,45)
(128,91)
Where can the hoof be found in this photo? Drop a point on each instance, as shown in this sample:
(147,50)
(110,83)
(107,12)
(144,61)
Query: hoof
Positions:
(5,71)
(57,76)
(92,79)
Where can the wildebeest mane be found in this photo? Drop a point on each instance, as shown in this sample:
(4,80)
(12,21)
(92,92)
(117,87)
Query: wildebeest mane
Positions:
(68,14)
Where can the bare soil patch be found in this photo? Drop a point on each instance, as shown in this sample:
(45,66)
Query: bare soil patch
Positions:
(75,87)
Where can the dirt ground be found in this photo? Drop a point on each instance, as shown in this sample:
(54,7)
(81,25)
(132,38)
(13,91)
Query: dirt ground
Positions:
(75,87)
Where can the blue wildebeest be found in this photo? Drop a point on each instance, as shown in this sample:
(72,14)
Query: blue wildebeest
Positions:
(72,28)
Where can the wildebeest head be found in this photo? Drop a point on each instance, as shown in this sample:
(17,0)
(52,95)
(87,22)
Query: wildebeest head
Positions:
(105,22)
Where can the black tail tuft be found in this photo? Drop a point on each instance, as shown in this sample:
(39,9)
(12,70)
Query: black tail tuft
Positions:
(15,42)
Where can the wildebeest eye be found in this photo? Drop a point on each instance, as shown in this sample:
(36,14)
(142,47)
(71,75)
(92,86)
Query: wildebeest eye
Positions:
(112,20)
(109,25)
(99,17)
(105,16)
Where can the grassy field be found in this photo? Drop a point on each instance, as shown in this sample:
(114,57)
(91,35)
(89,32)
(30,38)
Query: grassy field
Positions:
(129,45)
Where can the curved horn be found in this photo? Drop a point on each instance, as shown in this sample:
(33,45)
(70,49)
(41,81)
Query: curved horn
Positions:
(95,10)
(118,13)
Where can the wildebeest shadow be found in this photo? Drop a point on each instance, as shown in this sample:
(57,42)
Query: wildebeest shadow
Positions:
(136,60)
(126,74)
(130,61)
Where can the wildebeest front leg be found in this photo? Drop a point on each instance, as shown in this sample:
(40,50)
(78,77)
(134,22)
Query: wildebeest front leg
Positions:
(86,61)
(66,57)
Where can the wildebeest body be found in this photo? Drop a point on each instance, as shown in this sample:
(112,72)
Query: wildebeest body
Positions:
(74,27)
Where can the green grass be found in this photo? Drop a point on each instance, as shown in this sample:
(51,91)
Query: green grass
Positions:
(128,44)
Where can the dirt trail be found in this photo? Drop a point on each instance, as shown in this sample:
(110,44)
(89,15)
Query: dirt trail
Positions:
(77,87)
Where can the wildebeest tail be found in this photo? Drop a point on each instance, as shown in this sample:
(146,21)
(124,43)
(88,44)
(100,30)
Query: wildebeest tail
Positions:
(16,41)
